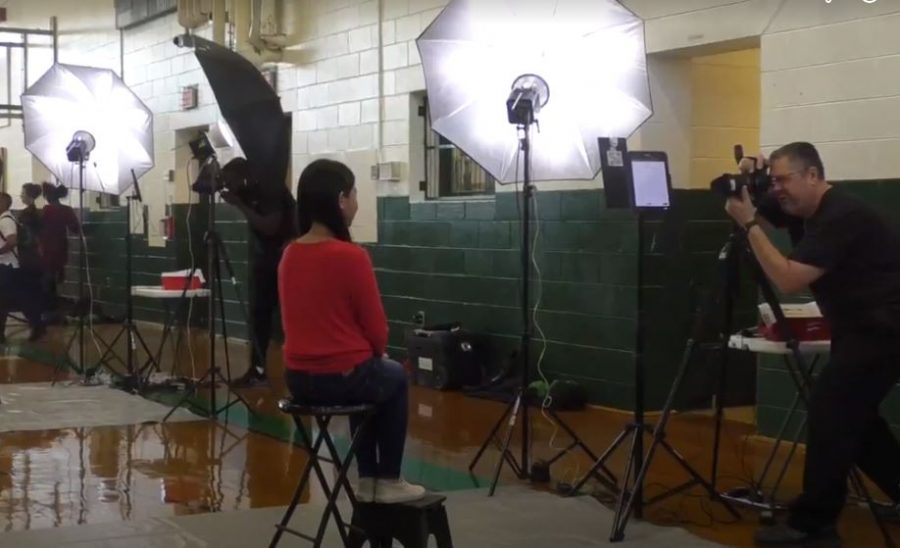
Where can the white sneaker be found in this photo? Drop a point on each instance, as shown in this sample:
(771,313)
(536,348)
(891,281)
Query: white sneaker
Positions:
(365,490)
(394,491)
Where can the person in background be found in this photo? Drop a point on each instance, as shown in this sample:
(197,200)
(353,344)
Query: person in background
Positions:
(10,276)
(336,330)
(272,220)
(28,246)
(58,221)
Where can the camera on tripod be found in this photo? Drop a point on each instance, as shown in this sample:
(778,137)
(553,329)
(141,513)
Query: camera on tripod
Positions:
(210,180)
(234,177)
(758,182)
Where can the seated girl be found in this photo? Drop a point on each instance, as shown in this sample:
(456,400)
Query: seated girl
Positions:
(336,330)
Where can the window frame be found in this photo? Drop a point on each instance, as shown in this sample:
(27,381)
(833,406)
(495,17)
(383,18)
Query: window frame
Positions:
(439,185)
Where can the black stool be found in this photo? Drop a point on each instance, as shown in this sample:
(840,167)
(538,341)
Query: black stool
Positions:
(411,523)
(323,415)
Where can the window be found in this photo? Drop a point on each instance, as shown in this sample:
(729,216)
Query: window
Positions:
(449,172)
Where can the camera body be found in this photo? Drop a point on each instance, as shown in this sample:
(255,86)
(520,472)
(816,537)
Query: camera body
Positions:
(757,182)
(212,177)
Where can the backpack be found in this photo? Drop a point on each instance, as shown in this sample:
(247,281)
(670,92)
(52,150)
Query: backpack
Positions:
(28,246)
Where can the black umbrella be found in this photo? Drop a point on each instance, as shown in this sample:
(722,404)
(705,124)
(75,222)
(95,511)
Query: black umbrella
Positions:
(250,106)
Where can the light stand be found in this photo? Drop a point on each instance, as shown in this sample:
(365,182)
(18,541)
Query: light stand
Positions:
(631,499)
(79,150)
(529,94)
(134,378)
(640,181)
(215,251)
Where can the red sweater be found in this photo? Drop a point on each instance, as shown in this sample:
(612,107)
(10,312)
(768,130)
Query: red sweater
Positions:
(331,310)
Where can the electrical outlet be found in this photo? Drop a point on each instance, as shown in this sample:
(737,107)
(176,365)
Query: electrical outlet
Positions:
(419,318)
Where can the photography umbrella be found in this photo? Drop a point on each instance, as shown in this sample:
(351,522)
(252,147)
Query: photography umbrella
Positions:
(250,106)
(93,133)
(590,55)
(70,99)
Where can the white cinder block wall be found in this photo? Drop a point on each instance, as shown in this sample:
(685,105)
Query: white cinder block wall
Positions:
(831,75)
(828,70)
(828,76)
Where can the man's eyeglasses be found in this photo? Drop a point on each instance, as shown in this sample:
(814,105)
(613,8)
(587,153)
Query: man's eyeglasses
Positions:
(781,179)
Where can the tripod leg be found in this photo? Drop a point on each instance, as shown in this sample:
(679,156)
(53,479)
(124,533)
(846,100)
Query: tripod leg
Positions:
(109,347)
(514,414)
(260,355)
(150,360)
(698,478)
(630,495)
(860,486)
(490,438)
(223,323)
(578,442)
(623,514)
(787,461)
(603,458)
(188,394)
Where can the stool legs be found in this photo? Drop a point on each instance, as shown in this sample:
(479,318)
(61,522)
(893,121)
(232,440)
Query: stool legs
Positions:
(440,528)
(341,482)
(332,494)
(304,478)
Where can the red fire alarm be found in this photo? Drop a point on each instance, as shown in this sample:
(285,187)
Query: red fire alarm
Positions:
(189,97)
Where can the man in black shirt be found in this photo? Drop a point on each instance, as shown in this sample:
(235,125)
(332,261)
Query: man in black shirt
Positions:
(272,216)
(849,256)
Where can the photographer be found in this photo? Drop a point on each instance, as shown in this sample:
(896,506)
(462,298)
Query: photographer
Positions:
(849,256)
(272,216)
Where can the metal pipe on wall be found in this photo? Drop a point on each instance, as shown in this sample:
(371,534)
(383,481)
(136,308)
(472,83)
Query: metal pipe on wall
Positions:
(8,86)
(218,22)
(54,30)
(25,61)
(380,143)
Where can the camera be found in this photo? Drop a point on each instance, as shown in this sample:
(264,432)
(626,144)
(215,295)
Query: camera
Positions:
(209,180)
(757,182)
(235,176)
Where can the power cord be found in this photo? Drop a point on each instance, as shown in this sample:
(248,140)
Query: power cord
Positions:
(190,341)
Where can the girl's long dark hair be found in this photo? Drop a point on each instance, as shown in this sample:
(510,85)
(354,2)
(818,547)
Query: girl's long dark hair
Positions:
(318,193)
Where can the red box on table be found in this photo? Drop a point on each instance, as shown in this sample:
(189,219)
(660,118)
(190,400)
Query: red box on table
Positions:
(805,320)
(176,281)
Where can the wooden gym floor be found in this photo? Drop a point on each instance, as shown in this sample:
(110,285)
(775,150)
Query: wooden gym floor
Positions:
(71,476)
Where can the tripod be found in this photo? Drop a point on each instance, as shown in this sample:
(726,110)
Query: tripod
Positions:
(631,497)
(79,151)
(216,251)
(737,243)
(133,381)
(801,375)
(520,403)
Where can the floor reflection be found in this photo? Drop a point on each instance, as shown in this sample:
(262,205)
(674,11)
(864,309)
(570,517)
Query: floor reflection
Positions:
(93,475)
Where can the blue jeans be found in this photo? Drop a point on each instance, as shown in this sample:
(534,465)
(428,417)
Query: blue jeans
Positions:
(379,381)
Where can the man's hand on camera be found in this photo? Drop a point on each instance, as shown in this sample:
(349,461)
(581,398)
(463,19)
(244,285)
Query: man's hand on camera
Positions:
(749,164)
(741,209)
(230,197)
